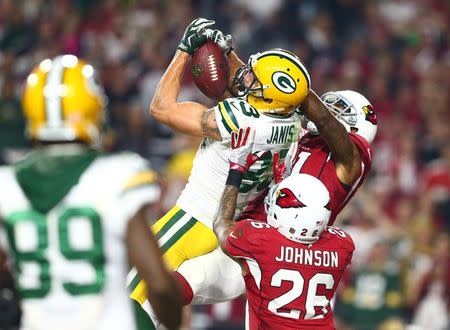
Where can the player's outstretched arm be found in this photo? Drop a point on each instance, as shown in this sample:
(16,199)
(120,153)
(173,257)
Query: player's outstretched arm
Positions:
(143,252)
(344,151)
(187,117)
(223,222)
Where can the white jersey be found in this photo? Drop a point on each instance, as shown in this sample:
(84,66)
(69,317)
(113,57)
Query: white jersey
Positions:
(71,263)
(201,196)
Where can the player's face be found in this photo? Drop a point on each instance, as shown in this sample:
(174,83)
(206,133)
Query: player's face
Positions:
(245,82)
(249,79)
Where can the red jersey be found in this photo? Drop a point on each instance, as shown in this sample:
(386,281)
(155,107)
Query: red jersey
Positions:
(289,285)
(313,157)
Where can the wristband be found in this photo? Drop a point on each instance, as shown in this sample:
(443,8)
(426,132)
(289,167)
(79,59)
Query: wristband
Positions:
(234,178)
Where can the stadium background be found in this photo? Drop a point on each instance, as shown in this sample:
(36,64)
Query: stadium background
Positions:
(396,52)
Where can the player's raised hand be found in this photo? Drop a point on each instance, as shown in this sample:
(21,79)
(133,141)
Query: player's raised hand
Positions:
(224,41)
(241,157)
(279,168)
(282,169)
(192,39)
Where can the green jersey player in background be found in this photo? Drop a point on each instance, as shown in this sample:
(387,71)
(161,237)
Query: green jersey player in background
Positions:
(74,219)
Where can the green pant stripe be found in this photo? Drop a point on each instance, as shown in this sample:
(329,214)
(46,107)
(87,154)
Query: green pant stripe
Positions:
(178,235)
(177,216)
(133,284)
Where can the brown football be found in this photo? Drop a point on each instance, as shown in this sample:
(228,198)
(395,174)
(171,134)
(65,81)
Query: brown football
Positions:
(210,69)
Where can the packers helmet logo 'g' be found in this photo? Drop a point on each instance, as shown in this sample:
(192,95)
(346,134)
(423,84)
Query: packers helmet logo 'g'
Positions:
(284,82)
(196,70)
(280,81)
(370,114)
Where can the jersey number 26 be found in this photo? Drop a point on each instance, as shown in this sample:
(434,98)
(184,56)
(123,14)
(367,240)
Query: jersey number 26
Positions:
(312,299)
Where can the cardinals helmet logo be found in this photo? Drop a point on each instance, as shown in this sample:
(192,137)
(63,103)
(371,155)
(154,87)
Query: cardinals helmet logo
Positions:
(286,198)
(370,114)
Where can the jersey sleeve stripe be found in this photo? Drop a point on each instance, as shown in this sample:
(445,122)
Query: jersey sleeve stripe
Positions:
(142,178)
(231,115)
(228,118)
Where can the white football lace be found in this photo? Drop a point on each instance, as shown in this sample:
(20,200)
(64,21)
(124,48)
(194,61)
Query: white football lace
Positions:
(213,68)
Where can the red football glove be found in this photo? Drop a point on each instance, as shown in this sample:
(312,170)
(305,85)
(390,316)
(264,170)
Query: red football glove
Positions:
(241,157)
(278,168)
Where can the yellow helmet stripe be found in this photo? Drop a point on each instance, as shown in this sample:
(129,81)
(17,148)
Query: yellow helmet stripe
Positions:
(294,59)
(52,92)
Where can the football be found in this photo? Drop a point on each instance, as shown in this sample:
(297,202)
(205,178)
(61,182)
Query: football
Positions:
(210,70)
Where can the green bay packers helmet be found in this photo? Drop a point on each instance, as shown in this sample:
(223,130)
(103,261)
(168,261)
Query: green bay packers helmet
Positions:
(274,81)
(62,101)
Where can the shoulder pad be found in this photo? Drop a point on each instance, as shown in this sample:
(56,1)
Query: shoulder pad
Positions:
(246,238)
(233,113)
(341,237)
(124,170)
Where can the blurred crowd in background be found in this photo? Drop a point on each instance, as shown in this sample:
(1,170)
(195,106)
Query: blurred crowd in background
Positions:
(396,52)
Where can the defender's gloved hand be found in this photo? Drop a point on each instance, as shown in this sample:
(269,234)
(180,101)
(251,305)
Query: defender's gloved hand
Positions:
(283,169)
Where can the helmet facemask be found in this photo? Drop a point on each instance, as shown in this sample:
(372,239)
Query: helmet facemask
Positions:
(240,87)
(341,108)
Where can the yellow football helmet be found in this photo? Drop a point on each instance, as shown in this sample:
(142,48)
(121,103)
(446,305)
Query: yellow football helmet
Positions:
(62,101)
(274,81)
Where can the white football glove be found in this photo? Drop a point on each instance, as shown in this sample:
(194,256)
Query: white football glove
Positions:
(217,36)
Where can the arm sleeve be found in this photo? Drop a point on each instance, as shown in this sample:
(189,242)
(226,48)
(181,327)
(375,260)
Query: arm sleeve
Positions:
(364,149)
(242,241)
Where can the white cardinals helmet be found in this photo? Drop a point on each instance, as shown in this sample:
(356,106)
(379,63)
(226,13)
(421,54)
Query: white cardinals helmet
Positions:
(353,110)
(299,207)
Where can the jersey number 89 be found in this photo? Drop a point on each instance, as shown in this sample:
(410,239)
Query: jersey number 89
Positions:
(32,249)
